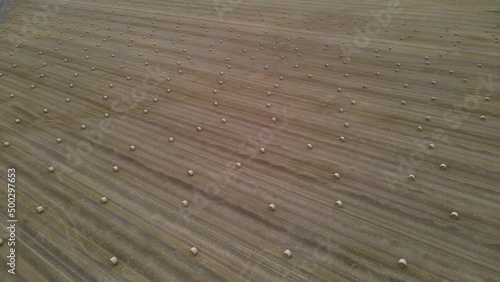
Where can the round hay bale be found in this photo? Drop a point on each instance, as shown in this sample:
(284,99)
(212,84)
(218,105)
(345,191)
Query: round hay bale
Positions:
(115,168)
(185,203)
(51,169)
(402,262)
(190,172)
(104,200)
(40,209)
(193,251)
(271,207)
(454,215)
(339,204)
(114,260)
(287,253)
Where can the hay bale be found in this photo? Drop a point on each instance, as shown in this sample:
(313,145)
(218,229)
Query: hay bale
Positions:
(271,207)
(114,260)
(193,251)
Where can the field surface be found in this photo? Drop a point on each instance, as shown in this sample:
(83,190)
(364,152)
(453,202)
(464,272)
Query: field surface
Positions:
(392,108)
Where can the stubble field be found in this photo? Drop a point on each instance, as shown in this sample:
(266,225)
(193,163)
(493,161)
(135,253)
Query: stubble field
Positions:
(381,90)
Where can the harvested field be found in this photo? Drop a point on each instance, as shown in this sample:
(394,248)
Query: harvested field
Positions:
(250,140)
